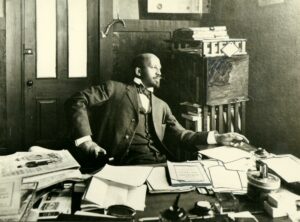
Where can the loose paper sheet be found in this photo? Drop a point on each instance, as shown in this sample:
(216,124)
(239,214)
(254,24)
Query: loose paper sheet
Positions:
(286,166)
(128,175)
(226,153)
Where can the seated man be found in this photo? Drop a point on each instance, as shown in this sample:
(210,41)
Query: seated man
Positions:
(134,122)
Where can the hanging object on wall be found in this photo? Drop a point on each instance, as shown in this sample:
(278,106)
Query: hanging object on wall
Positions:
(1,8)
(269,2)
(179,6)
(104,33)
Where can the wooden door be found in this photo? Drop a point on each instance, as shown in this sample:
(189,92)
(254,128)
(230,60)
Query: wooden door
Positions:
(60,57)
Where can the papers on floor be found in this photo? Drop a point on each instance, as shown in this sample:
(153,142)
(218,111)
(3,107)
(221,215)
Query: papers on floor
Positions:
(285,166)
(128,175)
(103,193)
(157,182)
(187,173)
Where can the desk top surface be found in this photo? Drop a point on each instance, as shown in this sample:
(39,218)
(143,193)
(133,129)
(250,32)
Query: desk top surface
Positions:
(156,203)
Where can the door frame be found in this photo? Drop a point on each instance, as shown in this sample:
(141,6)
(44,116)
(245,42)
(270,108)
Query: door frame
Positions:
(14,77)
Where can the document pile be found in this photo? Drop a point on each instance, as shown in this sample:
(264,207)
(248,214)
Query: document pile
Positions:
(117,185)
(228,173)
(24,173)
(55,202)
(16,199)
(47,167)
(157,182)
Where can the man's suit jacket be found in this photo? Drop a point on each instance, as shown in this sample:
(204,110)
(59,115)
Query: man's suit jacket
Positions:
(117,121)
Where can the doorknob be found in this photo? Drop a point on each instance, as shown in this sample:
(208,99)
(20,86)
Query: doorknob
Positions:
(29,83)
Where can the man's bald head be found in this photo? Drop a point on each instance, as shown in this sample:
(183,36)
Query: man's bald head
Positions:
(143,60)
(147,67)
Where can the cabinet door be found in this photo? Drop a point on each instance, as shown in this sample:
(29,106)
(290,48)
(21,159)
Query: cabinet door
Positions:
(226,79)
(211,81)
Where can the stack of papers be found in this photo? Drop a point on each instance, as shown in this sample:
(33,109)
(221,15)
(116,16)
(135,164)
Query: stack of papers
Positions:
(47,167)
(230,174)
(157,182)
(16,206)
(224,180)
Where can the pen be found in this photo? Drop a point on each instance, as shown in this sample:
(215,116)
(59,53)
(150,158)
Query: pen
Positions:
(149,219)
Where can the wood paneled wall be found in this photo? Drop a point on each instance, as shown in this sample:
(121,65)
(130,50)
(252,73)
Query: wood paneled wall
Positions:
(140,35)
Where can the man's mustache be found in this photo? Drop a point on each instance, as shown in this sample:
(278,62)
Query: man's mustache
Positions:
(159,77)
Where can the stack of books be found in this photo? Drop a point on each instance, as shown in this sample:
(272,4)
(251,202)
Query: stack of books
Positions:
(201,33)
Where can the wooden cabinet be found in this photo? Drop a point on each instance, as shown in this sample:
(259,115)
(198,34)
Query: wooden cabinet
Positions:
(215,89)
(211,80)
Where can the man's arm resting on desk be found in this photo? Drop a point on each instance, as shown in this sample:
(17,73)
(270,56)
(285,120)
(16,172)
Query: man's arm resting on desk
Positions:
(89,146)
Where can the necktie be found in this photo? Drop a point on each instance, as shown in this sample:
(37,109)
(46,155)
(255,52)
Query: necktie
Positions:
(143,90)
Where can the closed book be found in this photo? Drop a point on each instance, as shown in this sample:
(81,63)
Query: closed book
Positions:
(187,173)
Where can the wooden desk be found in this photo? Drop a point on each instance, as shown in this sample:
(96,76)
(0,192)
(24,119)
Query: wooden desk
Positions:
(156,203)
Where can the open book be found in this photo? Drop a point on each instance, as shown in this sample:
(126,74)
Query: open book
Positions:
(103,193)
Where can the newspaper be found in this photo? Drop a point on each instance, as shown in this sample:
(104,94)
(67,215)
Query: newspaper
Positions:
(26,201)
(10,196)
(25,164)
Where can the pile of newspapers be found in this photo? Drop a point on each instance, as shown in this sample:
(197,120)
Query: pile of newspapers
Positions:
(24,174)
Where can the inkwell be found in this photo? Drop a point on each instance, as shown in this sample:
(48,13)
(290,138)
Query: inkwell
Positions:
(174,213)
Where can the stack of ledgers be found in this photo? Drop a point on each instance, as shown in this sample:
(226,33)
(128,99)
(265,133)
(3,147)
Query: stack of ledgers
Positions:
(207,41)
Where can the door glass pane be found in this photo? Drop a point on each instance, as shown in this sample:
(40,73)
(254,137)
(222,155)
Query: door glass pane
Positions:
(77,24)
(46,38)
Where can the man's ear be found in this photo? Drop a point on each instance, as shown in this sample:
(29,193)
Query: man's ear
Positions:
(138,72)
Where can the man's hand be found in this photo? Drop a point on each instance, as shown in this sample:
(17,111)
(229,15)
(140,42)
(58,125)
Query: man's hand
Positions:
(92,149)
(231,139)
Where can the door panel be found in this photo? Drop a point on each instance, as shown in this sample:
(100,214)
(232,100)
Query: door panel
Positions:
(44,97)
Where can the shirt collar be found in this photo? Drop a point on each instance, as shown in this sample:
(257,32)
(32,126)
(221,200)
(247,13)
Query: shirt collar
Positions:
(139,82)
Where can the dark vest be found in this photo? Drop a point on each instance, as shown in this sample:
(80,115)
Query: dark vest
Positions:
(145,147)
